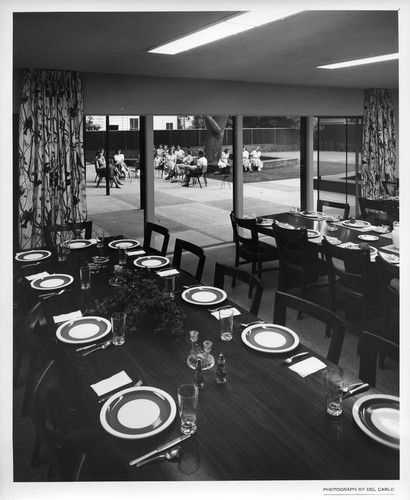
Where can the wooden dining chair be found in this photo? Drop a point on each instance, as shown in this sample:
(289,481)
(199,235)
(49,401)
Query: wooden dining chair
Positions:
(182,246)
(248,248)
(343,207)
(372,347)
(53,233)
(152,233)
(333,324)
(255,285)
(379,211)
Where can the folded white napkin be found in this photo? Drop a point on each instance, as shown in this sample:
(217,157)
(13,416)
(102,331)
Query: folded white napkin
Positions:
(168,272)
(226,312)
(111,383)
(307,366)
(67,317)
(135,252)
(38,275)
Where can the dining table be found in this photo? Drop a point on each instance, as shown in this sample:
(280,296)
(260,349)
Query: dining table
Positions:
(267,422)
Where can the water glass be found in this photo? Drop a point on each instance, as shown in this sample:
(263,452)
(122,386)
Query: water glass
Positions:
(188,407)
(122,256)
(170,285)
(333,389)
(100,240)
(62,252)
(118,320)
(226,324)
(85,277)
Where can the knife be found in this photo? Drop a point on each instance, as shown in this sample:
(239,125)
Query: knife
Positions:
(356,390)
(165,446)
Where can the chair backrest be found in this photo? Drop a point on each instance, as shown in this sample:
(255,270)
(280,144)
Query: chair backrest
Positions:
(348,267)
(379,211)
(345,207)
(152,231)
(284,301)
(255,285)
(186,246)
(389,277)
(372,346)
(57,233)
(245,232)
(293,246)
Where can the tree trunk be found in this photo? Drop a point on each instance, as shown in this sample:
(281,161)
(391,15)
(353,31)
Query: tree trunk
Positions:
(215,127)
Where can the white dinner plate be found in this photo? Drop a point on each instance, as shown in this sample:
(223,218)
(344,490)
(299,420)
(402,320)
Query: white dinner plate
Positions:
(52,282)
(83,330)
(312,214)
(138,412)
(333,241)
(204,295)
(126,243)
(368,237)
(355,246)
(32,255)
(80,244)
(270,338)
(312,233)
(358,224)
(265,222)
(151,261)
(378,417)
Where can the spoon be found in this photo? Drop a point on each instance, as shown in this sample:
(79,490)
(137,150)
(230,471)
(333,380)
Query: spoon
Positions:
(104,346)
(169,455)
(289,360)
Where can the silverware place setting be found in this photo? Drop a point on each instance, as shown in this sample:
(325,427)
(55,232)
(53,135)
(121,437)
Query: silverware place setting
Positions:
(103,346)
(169,455)
(111,393)
(290,360)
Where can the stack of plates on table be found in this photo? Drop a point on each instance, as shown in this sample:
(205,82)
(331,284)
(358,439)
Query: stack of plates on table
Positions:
(125,243)
(151,261)
(32,255)
(270,338)
(311,214)
(138,412)
(79,244)
(52,282)
(358,224)
(378,417)
(83,330)
(204,295)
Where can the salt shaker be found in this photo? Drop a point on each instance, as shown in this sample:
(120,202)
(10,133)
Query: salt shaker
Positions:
(221,370)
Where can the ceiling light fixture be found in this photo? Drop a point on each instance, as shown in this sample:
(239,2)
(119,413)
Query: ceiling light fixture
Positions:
(359,62)
(221,30)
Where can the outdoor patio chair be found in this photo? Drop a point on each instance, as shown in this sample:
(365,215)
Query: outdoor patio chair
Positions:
(151,234)
(196,177)
(255,285)
(344,207)
(334,325)
(372,346)
(71,229)
(182,246)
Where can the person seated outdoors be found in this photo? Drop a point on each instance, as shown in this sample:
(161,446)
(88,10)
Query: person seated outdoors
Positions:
(101,168)
(223,163)
(256,159)
(180,154)
(120,165)
(199,169)
(159,157)
(246,162)
(170,165)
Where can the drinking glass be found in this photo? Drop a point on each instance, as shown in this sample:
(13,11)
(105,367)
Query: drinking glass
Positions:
(100,240)
(333,389)
(118,320)
(170,285)
(62,252)
(188,407)
(226,324)
(85,277)
(122,256)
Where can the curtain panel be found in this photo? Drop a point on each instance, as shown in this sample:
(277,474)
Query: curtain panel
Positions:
(51,155)
(379,143)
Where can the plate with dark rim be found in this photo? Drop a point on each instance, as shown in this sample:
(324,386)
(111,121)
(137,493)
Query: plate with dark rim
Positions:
(358,224)
(138,412)
(32,255)
(83,330)
(204,295)
(312,233)
(79,244)
(378,417)
(268,337)
(52,282)
(151,261)
(127,243)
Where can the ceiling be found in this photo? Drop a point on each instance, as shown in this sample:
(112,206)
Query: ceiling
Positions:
(284,52)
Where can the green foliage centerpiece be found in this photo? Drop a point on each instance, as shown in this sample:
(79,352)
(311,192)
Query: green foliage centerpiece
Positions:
(146,304)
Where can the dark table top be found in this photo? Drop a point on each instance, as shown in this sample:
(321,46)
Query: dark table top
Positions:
(266,423)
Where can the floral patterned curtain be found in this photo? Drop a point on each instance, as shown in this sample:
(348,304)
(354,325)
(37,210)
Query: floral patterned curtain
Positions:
(379,143)
(51,156)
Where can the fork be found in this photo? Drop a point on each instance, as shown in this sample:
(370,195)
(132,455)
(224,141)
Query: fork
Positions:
(245,325)
(289,360)
(219,309)
(104,398)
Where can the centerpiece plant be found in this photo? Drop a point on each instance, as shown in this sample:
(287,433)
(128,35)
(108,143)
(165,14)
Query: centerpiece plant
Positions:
(147,305)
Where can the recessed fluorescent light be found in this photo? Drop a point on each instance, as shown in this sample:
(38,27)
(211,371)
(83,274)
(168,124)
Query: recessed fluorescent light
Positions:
(358,62)
(221,30)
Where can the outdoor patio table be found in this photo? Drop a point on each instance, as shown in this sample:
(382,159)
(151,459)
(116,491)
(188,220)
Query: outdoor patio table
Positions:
(266,423)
